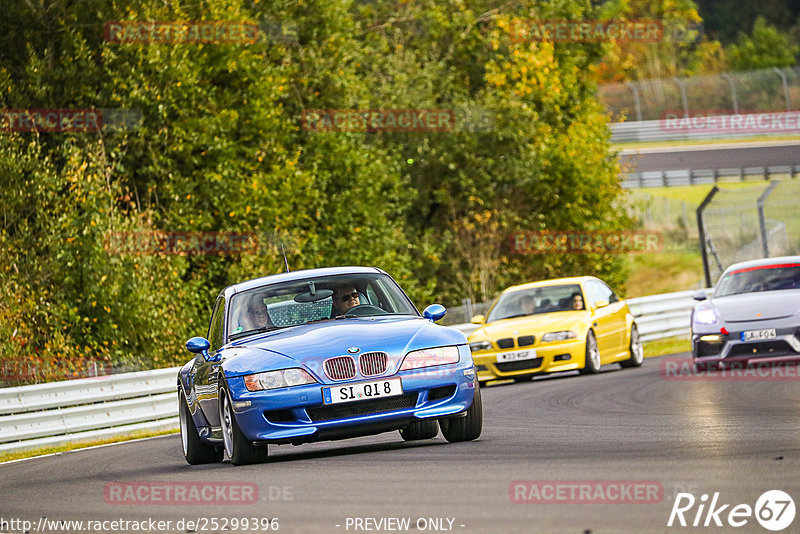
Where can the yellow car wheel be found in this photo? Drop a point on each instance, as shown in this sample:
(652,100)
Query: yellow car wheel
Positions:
(592,364)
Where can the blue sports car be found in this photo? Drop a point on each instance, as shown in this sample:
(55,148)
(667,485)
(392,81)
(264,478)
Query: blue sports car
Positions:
(322,354)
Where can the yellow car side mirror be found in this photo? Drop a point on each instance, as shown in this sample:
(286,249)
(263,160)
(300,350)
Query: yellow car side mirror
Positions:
(600,304)
(478,319)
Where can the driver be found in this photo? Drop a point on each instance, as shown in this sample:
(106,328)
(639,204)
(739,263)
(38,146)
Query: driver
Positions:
(344,298)
(527,305)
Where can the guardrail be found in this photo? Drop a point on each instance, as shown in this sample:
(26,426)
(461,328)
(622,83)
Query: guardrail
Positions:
(707,176)
(87,409)
(57,413)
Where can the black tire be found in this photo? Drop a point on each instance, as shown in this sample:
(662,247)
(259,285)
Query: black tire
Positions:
(240,450)
(592,356)
(195,450)
(468,428)
(425,429)
(636,350)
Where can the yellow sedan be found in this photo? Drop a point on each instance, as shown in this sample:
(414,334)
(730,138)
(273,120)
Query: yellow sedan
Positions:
(554,325)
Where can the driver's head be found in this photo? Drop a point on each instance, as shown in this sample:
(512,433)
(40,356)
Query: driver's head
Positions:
(577,301)
(344,298)
(527,304)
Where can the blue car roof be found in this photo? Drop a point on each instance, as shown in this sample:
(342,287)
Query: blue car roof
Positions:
(298,275)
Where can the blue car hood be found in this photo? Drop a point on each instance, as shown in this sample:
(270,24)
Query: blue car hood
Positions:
(311,344)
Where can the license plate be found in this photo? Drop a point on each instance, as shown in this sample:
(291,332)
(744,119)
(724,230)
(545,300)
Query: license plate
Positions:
(757,335)
(362,391)
(516,356)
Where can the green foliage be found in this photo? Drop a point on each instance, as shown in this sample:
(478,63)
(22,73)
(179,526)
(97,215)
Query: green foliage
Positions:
(221,148)
(764,48)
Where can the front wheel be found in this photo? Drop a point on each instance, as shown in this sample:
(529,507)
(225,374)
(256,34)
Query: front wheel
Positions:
(592,364)
(468,428)
(636,350)
(195,450)
(425,429)
(240,450)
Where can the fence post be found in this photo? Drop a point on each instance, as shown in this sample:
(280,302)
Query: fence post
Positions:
(702,232)
(762,223)
(684,99)
(726,76)
(636,101)
(785,88)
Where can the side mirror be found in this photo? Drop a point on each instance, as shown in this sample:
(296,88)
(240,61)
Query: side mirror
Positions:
(700,295)
(478,319)
(198,345)
(600,304)
(434,312)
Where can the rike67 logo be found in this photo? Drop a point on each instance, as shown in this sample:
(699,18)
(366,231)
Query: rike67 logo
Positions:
(774,510)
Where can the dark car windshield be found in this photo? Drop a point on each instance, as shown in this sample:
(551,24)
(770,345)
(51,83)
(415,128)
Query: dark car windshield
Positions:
(535,301)
(322,298)
(762,278)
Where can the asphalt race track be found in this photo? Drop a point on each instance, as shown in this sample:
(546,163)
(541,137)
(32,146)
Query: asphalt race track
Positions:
(739,438)
(711,157)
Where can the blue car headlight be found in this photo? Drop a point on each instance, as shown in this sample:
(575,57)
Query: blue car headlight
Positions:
(429,357)
(705,316)
(277,379)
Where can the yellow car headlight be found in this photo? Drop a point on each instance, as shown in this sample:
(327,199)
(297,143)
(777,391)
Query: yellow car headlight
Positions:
(562,335)
(477,346)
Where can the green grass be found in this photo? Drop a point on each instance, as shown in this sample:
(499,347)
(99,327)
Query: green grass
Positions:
(665,272)
(8,456)
(662,347)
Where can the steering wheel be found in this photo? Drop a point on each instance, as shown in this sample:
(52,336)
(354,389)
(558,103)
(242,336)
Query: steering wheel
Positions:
(364,310)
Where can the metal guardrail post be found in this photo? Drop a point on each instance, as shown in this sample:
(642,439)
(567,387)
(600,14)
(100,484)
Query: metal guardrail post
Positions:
(702,233)
(762,223)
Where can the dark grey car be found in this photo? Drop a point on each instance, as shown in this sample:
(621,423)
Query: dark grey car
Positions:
(753,315)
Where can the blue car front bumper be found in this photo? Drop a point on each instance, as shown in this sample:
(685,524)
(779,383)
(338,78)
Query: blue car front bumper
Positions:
(298,414)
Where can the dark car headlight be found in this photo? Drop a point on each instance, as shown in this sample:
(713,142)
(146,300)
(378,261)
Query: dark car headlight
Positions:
(477,346)
(278,379)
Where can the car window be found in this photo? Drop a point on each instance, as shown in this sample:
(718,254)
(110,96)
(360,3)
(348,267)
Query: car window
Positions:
(298,302)
(595,291)
(610,296)
(534,301)
(215,327)
(760,278)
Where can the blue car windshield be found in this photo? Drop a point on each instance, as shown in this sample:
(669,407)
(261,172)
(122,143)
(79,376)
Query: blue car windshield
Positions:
(537,300)
(761,278)
(299,302)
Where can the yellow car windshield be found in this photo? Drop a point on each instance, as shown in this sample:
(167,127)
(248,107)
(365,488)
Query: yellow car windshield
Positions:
(533,301)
